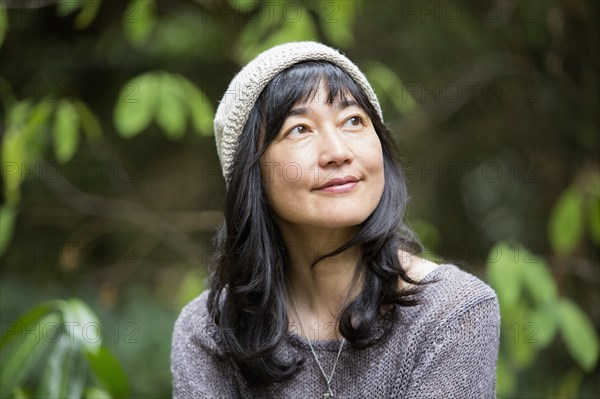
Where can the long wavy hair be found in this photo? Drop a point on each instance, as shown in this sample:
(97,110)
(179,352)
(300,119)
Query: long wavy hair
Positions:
(247,299)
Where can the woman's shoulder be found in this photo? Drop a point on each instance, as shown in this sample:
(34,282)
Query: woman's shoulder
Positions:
(451,276)
(416,267)
(450,283)
(194,323)
(449,289)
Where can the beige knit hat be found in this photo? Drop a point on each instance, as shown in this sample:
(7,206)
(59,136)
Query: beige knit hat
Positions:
(245,88)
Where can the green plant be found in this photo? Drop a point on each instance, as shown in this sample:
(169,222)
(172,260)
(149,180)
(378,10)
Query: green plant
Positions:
(52,350)
(533,313)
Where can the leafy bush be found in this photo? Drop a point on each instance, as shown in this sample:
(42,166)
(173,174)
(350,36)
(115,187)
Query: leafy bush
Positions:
(63,339)
(533,313)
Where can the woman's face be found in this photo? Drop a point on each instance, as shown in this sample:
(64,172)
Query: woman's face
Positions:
(325,167)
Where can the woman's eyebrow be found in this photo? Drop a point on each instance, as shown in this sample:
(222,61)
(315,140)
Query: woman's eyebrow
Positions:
(297,111)
(339,105)
(345,104)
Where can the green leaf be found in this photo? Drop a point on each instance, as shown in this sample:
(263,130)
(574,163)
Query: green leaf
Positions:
(427,233)
(25,323)
(138,21)
(191,286)
(300,29)
(504,274)
(578,333)
(537,277)
(519,337)
(565,228)
(262,35)
(506,381)
(543,327)
(13,161)
(7,224)
(200,108)
(77,377)
(18,113)
(89,123)
(66,7)
(594,220)
(247,46)
(337,20)
(82,324)
(137,104)
(36,125)
(65,373)
(107,369)
(243,5)
(172,116)
(96,393)
(522,353)
(88,12)
(19,393)
(388,83)
(66,131)
(22,357)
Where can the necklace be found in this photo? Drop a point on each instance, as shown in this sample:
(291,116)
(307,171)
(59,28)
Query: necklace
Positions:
(329,393)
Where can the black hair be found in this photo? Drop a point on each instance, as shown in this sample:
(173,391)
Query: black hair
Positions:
(247,299)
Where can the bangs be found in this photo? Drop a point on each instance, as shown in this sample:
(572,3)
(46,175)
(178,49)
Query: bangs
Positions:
(299,84)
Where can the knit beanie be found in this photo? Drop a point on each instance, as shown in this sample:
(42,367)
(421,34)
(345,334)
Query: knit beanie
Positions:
(245,88)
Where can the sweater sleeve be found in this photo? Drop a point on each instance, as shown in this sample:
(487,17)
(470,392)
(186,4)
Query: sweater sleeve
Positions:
(198,373)
(459,361)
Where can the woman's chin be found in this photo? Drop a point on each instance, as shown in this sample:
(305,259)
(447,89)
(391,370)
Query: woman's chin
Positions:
(340,221)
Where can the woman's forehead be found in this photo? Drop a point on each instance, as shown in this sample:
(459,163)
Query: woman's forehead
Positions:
(302,109)
(325,93)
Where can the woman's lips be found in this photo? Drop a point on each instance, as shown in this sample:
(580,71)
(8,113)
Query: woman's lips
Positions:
(341,188)
(340,185)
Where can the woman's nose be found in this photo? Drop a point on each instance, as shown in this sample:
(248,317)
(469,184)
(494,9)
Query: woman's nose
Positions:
(334,148)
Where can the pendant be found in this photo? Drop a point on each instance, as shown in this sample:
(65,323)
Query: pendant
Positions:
(327,395)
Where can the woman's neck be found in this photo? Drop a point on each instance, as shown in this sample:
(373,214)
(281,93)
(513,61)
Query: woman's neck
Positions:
(319,290)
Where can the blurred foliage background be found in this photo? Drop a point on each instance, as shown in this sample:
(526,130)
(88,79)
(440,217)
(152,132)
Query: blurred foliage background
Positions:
(111,187)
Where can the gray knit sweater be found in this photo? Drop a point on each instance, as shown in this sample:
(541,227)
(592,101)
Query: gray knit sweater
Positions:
(446,347)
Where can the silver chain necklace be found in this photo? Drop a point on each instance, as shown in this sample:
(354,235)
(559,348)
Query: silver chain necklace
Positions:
(329,393)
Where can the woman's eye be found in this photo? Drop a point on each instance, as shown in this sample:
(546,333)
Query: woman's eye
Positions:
(354,121)
(301,129)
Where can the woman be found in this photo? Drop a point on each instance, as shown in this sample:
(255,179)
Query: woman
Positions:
(315,291)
